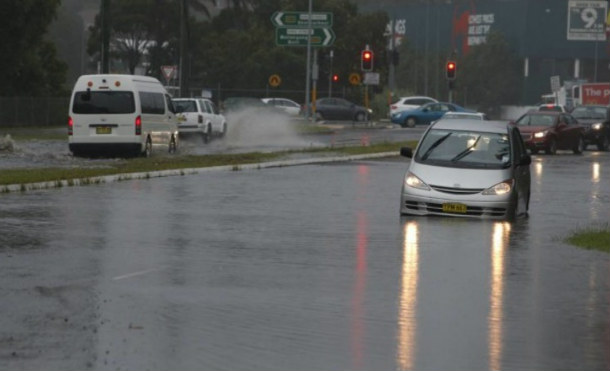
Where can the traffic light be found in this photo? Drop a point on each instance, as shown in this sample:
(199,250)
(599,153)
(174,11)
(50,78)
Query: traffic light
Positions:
(450,70)
(335,78)
(366,60)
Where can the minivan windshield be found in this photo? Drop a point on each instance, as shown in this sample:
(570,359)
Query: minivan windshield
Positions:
(456,148)
(91,102)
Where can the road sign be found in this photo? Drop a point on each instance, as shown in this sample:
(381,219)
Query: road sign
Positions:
(371,78)
(555,84)
(275,80)
(298,36)
(169,72)
(354,78)
(301,19)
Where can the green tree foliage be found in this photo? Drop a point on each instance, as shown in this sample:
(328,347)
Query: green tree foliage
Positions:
(236,49)
(490,74)
(29,64)
(138,27)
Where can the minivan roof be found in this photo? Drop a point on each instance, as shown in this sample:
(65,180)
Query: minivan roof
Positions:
(472,125)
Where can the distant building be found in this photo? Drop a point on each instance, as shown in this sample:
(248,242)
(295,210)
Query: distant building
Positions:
(565,38)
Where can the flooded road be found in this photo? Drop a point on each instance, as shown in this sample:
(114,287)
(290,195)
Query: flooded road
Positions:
(302,268)
(269,136)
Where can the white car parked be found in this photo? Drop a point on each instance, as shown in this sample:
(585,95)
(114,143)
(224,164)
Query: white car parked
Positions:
(409,103)
(199,116)
(291,107)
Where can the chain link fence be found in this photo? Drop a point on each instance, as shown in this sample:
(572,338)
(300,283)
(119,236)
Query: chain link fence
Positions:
(33,111)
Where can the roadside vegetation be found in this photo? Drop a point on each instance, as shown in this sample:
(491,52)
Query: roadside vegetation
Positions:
(592,239)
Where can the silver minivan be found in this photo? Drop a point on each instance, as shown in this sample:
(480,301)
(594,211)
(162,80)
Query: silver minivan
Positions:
(468,168)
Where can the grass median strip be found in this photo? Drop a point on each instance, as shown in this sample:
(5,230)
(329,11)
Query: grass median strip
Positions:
(592,239)
(143,165)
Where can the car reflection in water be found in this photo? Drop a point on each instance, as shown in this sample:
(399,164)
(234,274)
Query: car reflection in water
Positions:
(408,318)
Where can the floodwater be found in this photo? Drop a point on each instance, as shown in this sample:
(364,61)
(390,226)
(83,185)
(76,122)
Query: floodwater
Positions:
(247,132)
(302,268)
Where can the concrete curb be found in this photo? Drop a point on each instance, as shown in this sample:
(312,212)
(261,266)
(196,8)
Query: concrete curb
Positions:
(179,172)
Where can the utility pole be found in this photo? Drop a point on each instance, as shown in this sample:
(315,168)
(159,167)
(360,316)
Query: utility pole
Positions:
(308,111)
(393,60)
(183,49)
(105,36)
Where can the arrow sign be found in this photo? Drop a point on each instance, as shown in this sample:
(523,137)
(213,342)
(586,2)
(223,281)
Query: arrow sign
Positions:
(298,36)
(301,19)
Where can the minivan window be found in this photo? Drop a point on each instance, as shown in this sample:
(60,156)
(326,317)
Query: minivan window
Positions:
(152,103)
(94,102)
(464,149)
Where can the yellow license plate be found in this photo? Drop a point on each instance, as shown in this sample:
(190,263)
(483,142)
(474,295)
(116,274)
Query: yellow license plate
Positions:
(454,208)
(103,130)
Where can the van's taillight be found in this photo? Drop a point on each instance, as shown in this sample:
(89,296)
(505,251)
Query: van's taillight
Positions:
(200,119)
(138,125)
(70,126)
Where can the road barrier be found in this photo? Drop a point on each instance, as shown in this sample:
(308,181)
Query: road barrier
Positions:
(33,111)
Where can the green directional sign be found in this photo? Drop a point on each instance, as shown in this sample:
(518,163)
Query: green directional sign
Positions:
(301,19)
(285,36)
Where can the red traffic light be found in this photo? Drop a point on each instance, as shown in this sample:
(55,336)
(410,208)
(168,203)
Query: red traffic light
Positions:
(450,70)
(366,60)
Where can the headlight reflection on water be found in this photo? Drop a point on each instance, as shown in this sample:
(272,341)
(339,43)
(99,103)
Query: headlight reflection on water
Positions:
(407,322)
(499,245)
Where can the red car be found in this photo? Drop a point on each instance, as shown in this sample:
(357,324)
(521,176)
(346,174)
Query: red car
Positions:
(550,131)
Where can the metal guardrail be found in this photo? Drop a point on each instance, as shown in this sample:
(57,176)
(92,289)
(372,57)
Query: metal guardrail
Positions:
(33,111)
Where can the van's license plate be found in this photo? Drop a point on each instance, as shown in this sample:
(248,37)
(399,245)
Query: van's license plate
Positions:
(103,130)
(454,208)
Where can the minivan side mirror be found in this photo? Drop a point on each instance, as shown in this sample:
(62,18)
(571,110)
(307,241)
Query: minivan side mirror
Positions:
(406,152)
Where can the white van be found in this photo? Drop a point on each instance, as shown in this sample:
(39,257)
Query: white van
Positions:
(120,113)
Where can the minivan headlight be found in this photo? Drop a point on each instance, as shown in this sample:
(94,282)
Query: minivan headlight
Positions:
(499,189)
(540,134)
(413,181)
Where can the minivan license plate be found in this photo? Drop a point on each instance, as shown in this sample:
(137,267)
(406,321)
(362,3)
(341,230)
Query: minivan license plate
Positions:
(103,130)
(454,208)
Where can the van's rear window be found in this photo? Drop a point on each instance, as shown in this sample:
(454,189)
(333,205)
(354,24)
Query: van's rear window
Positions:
(103,102)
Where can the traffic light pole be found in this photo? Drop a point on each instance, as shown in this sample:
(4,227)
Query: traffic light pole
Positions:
(308,111)
(314,77)
(450,88)
(330,75)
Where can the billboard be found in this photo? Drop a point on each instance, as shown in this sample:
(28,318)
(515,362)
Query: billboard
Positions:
(587,20)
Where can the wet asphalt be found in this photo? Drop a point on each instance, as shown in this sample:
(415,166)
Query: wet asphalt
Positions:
(302,268)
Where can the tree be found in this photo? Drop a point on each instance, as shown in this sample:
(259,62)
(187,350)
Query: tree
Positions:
(489,74)
(138,28)
(29,63)
(237,48)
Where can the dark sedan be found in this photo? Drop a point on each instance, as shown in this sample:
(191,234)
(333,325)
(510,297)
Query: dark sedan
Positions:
(340,109)
(596,120)
(551,131)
